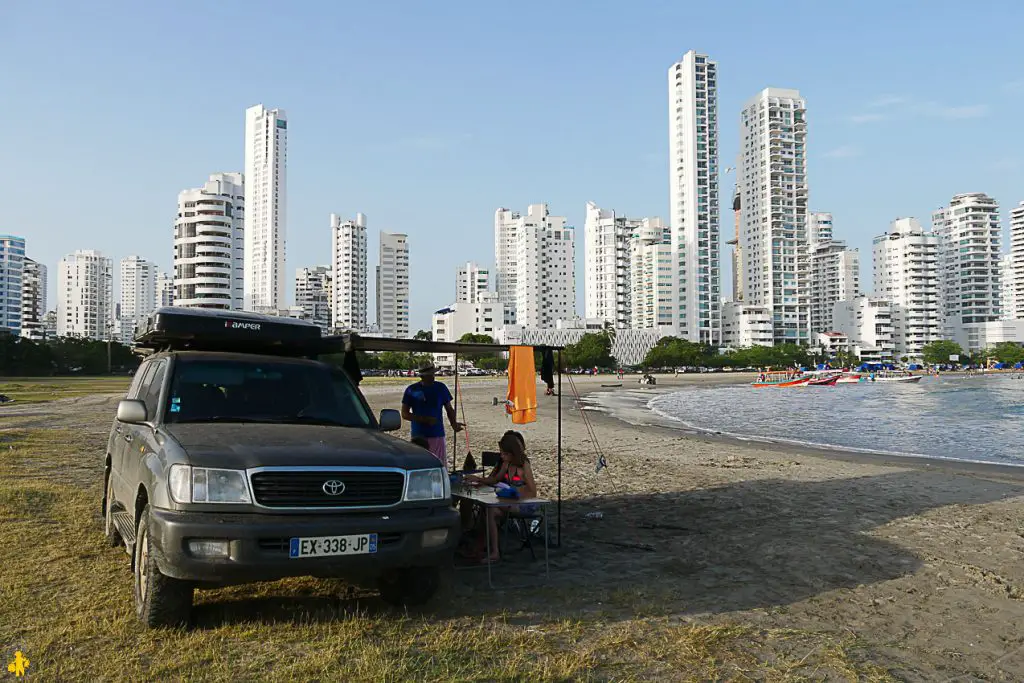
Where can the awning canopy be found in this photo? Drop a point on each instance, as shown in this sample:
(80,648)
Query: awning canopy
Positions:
(356,342)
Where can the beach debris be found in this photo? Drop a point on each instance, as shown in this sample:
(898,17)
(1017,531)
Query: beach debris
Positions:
(597,514)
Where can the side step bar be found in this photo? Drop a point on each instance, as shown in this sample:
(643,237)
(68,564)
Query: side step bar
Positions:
(126,528)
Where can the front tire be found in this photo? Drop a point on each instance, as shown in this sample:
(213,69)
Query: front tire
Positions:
(409,587)
(160,601)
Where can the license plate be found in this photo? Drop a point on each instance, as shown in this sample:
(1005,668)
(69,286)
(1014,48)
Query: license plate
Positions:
(326,546)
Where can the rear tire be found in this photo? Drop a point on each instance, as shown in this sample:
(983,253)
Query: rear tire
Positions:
(109,529)
(409,587)
(160,601)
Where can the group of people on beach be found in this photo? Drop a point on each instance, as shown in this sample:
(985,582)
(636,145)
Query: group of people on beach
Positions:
(425,405)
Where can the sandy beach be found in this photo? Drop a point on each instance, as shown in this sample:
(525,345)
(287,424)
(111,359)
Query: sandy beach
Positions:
(920,559)
(831,564)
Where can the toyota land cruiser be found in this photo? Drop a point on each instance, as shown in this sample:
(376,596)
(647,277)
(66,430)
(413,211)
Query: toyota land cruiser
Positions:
(237,457)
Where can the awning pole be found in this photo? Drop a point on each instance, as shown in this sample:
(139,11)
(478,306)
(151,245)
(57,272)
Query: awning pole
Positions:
(455,438)
(558,535)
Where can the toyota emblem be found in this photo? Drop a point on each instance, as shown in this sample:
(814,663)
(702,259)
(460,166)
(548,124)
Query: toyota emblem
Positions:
(333,487)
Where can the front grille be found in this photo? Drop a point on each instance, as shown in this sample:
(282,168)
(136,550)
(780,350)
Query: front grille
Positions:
(305,488)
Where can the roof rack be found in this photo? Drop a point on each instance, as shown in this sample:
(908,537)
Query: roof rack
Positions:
(172,328)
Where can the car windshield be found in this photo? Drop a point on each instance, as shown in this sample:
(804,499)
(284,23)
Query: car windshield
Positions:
(275,392)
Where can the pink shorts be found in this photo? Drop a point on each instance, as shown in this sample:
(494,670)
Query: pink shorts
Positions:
(436,445)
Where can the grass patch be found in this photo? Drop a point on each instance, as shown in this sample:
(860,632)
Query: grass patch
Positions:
(42,390)
(65,601)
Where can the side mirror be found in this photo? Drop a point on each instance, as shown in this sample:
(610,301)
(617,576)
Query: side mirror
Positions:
(390,420)
(131,411)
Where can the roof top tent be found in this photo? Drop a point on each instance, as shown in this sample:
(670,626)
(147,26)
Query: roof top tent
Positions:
(173,328)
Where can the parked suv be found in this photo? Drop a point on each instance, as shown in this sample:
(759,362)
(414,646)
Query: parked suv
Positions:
(232,466)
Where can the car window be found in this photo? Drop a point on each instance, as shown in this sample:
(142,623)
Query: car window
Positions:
(247,391)
(138,380)
(154,382)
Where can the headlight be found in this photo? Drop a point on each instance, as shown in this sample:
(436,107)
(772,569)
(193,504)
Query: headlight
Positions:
(208,485)
(426,485)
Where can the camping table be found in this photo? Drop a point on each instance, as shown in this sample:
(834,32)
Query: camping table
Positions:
(485,497)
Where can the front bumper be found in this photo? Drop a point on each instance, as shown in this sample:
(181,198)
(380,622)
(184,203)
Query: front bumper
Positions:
(258,544)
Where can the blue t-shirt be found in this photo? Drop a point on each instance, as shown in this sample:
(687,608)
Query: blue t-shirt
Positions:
(429,400)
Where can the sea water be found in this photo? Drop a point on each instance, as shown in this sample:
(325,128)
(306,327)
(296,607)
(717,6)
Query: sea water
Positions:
(977,418)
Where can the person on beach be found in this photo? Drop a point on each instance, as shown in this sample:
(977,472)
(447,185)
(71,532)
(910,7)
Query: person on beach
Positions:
(515,471)
(424,405)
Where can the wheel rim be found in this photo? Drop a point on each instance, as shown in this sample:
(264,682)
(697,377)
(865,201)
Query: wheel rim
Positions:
(143,566)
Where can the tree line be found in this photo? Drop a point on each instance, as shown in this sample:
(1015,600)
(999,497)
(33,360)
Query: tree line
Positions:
(20,357)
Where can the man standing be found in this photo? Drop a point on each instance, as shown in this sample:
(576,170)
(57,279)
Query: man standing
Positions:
(424,404)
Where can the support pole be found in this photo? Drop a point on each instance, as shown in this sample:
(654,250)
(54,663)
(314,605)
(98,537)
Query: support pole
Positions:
(455,436)
(558,451)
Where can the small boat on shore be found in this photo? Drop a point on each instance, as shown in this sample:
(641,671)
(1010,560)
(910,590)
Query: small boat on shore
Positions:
(824,381)
(850,378)
(781,379)
(894,376)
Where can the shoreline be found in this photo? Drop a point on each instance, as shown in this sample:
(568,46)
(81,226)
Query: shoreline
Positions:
(602,406)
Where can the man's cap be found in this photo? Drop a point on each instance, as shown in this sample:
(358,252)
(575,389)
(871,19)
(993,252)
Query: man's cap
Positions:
(427,370)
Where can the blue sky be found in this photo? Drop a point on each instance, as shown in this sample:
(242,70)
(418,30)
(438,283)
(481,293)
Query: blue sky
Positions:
(428,116)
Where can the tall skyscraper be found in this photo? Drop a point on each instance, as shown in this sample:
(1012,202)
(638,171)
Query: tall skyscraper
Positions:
(606,266)
(313,290)
(737,255)
(209,244)
(905,270)
(545,269)
(969,247)
(650,270)
(471,281)
(506,226)
(1007,288)
(12,263)
(348,254)
(138,287)
(772,174)
(33,299)
(1014,299)
(693,187)
(165,289)
(266,156)
(835,276)
(393,285)
(85,295)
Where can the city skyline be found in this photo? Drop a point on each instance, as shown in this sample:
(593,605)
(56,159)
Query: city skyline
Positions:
(884,105)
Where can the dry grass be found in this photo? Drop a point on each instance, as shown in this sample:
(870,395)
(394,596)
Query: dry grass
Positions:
(65,601)
(41,390)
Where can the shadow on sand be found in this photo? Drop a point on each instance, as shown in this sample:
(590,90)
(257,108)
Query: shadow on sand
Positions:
(752,544)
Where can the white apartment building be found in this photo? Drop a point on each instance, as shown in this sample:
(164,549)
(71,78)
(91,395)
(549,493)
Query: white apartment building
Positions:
(393,285)
(348,253)
(650,270)
(1007,288)
(832,343)
(693,196)
(85,295)
(772,176)
(12,263)
(545,269)
(606,265)
(745,325)
(969,247)
(819,227)
(209,244)
(138,287)
(506,230)
(867,322)
(471,281)
(835,276)
(313,290)
(33,299)
(486,315)
(737,249)
(266,160)
(1013,297)
(975,337)
(905,270)
(165,289)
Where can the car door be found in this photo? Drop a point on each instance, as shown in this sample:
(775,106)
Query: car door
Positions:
(139,439)
(118,443)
